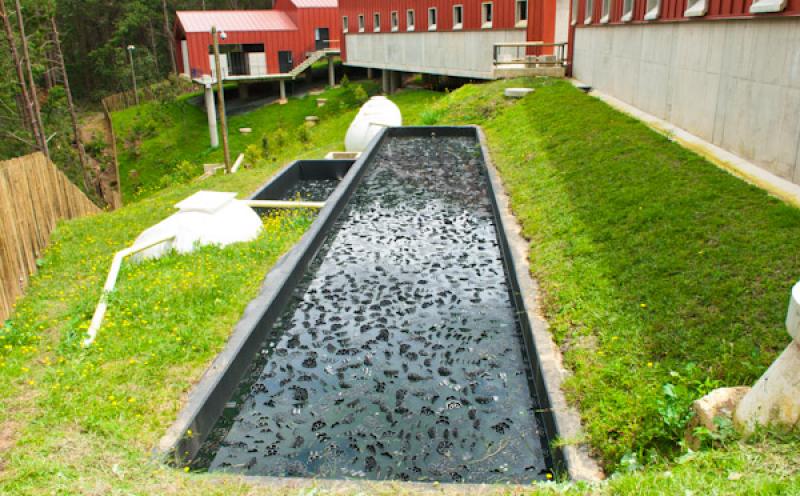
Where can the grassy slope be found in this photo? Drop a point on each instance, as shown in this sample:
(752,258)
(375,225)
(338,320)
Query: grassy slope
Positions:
(182,134)
(618,217)
(84,421)
(657,268)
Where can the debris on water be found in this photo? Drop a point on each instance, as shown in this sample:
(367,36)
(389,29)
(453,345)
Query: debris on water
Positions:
(399,354)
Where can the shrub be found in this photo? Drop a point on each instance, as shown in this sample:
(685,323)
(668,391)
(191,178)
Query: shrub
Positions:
(253,156)
(280,137)
(304,134)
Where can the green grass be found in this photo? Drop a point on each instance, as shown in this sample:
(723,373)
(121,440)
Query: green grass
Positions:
(656,269)
(662,276)
(154,138)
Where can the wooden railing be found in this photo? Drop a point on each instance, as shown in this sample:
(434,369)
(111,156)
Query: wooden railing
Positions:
(34,196)
(125,99)
(529,54)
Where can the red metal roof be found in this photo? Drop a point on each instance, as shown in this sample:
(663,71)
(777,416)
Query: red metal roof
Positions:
(201,21)
(316,4)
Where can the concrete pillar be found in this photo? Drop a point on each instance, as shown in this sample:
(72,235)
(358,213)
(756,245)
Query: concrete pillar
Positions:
(331,73)
(370,76)
(282,84)
(385,76)
(211,112)
(775,398)
(393,81)
(244,91)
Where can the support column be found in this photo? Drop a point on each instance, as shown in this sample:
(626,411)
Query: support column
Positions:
(393,79)
(331,73)
(282,84)
(211,113)
(244,91)
(385,76)
(370,76)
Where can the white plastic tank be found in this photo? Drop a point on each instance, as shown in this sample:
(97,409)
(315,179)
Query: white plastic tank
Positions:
(206,217)
(379,112)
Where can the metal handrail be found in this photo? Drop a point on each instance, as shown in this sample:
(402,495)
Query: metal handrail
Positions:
(522,57)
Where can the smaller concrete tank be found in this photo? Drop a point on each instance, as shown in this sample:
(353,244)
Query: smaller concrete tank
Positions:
(379,112)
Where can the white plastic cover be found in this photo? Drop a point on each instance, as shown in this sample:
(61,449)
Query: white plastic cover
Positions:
(379,112)
(207,217)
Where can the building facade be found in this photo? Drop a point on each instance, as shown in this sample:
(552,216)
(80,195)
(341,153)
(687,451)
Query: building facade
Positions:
(257,42)
(727,71)
(445,37)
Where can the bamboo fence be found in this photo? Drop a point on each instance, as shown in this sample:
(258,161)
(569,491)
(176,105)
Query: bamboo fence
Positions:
(34,196)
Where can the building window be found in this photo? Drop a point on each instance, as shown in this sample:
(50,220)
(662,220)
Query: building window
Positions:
(395,18)
(376,22)
(765,6)
(589,8)
(345,24)
(653,8)
(698,8)
(360,23)
(432,19)
(521,16)
(606,11)
(409,20)
(487,14)
(627,10)
(575,6)
(458,16)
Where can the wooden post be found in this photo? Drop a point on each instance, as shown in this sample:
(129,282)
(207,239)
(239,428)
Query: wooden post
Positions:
(221,101)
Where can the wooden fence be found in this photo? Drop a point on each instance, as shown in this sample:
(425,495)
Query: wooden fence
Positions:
(34,196)
(121,101)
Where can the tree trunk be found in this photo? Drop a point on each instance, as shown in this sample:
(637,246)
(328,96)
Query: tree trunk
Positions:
(23,86)
(154,46)
(170,38)
(89,182)
(31,83)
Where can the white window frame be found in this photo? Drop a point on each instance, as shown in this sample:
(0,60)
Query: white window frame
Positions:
(376,22)
(435,12)
(458,25)
(518,22)
(411,20)
(345,24)
(361,23)
(587,19)
(394,20)
(576,5)
(605,11)
(697,8)
(766,6)
(487,15)
(653,10)
(627,10)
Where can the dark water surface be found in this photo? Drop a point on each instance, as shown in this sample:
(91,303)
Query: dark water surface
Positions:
(399,356)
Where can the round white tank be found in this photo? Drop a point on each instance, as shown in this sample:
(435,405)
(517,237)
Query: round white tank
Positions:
(379,112)
(207,217)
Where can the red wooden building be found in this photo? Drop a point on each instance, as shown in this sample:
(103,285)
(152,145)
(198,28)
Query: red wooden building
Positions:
(257,43)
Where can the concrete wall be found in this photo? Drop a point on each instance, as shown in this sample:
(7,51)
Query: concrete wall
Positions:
(463,54)
(733,83)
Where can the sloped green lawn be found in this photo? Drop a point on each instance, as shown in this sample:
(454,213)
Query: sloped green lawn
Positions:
(662,277)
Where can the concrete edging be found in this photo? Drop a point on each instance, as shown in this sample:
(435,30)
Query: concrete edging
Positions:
(580,464)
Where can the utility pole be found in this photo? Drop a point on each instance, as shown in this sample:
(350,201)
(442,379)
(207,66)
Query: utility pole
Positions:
(131,48)
(32,83)
(221,98)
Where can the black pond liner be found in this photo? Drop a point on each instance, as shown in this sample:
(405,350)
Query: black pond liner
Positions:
(420,367)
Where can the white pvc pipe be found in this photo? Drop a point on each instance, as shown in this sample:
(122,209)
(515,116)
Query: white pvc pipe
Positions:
(282,204)
(111,281)
(238,163)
